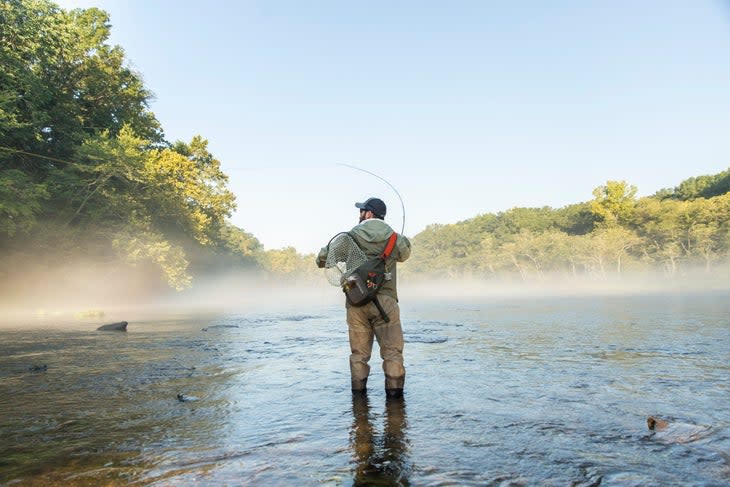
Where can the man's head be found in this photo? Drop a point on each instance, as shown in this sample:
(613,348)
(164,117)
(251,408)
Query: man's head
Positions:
(371,208)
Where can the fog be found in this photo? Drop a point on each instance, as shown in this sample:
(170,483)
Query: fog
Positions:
(90,291)
(93,292)
(556,285)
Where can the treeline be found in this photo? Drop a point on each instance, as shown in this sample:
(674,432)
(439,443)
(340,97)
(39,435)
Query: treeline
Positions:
(672,233)
(86,170)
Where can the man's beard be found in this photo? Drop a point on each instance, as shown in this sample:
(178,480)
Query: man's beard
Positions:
(362,218)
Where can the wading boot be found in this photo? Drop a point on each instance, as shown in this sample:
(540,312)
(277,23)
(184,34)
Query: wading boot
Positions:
(393,393)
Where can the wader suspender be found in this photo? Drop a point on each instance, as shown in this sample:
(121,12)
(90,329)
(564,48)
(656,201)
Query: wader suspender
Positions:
(386,253)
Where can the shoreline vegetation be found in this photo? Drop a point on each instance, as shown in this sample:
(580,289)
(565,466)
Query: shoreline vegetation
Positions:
(96,203)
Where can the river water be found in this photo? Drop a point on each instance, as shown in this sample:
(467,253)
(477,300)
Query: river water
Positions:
(539,391)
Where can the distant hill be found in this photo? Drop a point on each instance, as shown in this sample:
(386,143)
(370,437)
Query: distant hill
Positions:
(671,233)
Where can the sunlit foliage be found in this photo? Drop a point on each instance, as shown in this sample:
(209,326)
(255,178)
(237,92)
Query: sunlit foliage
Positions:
(84,162)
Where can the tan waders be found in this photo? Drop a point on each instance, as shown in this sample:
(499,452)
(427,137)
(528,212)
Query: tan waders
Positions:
(364,323)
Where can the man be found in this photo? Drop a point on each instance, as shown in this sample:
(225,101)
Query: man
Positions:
(366,322)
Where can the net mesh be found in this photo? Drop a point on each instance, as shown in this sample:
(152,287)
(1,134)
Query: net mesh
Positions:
(343,257)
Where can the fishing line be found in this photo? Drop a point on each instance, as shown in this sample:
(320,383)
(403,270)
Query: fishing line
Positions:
(403,207)
(54,159)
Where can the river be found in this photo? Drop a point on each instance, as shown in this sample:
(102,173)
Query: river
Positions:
(499,391)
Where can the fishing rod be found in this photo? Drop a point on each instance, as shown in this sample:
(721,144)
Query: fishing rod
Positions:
(403,207)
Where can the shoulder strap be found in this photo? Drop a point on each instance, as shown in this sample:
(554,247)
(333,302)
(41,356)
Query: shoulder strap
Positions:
(389,246)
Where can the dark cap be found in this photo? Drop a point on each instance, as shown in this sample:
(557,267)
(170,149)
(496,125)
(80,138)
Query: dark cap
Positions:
(375,205)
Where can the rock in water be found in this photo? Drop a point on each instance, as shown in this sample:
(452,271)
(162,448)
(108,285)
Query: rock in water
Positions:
(186,398)
(670,431)
(120,326)
(656,424)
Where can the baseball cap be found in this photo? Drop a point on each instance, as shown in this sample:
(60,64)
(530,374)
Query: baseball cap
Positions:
(375,205)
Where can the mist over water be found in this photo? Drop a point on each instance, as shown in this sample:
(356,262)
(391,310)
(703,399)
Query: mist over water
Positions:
(502,389)
(34,293)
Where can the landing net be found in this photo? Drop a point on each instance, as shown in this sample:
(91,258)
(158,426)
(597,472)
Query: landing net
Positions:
(343,257)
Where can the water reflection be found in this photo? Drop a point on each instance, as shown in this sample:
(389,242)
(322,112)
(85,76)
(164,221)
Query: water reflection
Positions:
(382,459)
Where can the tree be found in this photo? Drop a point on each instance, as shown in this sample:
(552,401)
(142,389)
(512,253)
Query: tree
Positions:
(83,161)
(287,263)
(708,230)
(141,245)
(515,220)
(61,82)
(614,202)
(706,186)
(21,201)
(187,190)
(239,242)
(660,223)
(487,256)
(609,246)
(577,219)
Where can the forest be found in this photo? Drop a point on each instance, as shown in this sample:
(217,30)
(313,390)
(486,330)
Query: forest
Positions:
(673,233)
(87,172)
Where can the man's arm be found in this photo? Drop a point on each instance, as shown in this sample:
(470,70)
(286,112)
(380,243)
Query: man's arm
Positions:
(404,248)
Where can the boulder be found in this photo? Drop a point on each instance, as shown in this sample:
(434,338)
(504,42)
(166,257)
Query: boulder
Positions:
(186,398)
(120,326)
(671,431)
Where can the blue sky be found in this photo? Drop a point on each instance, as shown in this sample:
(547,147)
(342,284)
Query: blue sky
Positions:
(466,107)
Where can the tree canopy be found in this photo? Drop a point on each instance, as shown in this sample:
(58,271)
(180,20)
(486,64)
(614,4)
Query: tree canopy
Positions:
(84,162)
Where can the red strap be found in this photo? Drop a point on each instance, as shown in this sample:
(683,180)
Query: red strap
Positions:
(389,246)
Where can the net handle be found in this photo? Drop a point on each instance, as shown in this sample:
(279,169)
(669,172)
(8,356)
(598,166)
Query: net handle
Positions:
(335,236)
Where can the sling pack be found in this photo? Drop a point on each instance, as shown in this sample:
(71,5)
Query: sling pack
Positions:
(363,284)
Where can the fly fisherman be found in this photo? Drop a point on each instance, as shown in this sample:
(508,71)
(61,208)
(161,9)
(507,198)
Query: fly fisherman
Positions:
(367,321)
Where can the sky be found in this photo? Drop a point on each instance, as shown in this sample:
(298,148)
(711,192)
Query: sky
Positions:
(464,107)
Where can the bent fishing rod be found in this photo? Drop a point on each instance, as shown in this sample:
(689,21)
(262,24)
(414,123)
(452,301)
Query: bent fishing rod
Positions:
(403,207)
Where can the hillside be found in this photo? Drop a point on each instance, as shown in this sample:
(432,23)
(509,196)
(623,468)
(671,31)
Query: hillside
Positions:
(671,233)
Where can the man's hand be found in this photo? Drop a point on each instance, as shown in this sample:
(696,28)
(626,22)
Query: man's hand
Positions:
(322,257)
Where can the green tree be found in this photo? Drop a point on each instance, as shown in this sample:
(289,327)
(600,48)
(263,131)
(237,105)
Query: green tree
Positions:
(516,220)
(576,219)
(187,190)
(287,263)
(608,248)
(21,201)
(61,82)
(487,256)
(706,186)
(83,161)
(614,202)
(239,242)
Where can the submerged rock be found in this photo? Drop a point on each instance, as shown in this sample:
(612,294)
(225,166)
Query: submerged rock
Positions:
(213,327)
(670,431)
(186,398)
(119,326)
(425,339)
